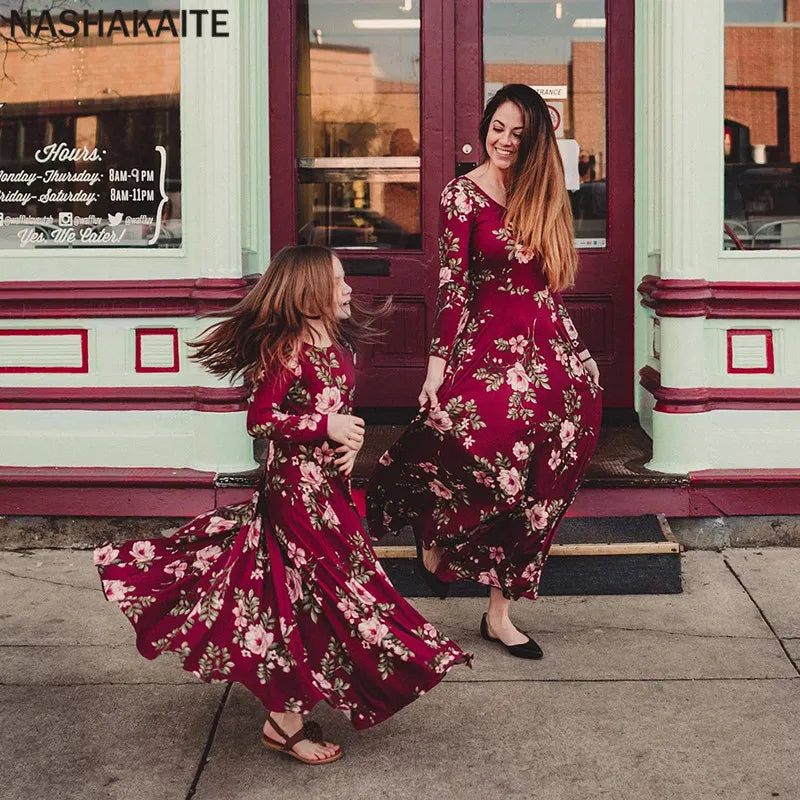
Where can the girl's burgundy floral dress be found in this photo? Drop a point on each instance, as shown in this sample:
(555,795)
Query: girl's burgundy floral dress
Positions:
(284,594)
(488,475)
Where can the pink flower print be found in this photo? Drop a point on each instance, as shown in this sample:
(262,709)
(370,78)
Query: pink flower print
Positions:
(385,459)
(358,591)
(569,327)
(219,524)
(439,420)
(520,451)
(254,533)
(462,203)
(468,441)
(205,557)
(142,552)
(576,365)
(296,554)
(103,556)
(240,617)
(294,367)
(294,583)
(115,591)
(349,609)
(176,568)
(517,344)
(329,400)
(489,578)
(329,516)
(427,466)
(496,554)
(311,475)
(322,683)
(445,276)
(517,378)
(257,640)
(372,630)
(430,632)
(387,519)
(537,516)
(440,490)
(522,254)
(308,421)
(324,454)
(509,481)
(531,571)
(555,460)
(567,432)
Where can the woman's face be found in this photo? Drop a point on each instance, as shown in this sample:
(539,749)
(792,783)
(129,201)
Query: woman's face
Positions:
(505,130)
(341,291)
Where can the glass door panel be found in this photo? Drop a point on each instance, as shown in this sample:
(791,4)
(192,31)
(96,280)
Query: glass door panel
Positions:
(559,48)
(358,124)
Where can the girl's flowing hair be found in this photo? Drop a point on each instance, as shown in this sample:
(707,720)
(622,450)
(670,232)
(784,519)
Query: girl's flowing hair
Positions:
(538,211)
(266,329)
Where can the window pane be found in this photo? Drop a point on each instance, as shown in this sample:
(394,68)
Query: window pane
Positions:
(88,126)
(762,130)
(559,48)
(358,106)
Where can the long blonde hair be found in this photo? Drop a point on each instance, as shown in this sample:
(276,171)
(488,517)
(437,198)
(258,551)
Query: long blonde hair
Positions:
(266,329)
(538,211)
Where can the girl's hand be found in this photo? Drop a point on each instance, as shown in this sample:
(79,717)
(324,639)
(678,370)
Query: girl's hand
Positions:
(433,382)
(347,430)
(592,370)
(346,459)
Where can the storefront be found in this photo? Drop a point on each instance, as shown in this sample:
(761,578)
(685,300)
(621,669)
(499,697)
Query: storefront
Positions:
(144,181)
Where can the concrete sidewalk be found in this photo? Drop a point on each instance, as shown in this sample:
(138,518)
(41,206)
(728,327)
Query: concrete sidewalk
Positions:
(691,697)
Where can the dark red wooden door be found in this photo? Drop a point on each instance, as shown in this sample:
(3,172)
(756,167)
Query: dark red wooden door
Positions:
(374,107)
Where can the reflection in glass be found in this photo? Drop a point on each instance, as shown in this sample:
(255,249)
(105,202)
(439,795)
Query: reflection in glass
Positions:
(114,94)
(762,136)
(358,108)
(560,50)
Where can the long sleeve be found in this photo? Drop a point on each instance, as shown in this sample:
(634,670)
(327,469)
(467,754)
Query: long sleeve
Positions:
(569,325)
(265,417)
(456,214)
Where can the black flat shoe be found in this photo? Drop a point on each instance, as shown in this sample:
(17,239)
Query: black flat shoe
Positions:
(528,649)
(439,587)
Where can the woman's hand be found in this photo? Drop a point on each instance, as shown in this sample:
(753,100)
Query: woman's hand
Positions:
(590,365)
(433,382)
(347,430)
(346,459)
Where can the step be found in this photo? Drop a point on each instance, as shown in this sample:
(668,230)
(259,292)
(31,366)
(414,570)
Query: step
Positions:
(591,556)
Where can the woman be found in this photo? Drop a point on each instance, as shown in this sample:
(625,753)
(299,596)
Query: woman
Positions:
(485,473)
(283,593)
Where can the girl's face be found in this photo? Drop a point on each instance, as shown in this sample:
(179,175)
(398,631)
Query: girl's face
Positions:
(502,140)
(341,291)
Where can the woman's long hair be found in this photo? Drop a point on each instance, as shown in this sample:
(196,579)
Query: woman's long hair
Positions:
(266,329)
(538,211)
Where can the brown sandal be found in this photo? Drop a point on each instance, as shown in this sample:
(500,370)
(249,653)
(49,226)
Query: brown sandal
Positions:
(310,731)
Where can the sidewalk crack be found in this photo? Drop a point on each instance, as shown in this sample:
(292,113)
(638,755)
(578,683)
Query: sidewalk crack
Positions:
(47,580)
(763,615)
(209,743)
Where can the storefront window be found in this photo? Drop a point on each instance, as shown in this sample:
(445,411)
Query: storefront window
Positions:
(762,129)
(89,129)
(358,109)
(559,48)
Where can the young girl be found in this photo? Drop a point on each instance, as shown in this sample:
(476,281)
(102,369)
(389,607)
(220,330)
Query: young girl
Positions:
(284,594)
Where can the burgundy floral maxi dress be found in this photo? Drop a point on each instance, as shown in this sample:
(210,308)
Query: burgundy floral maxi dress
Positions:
(284,594)
(488,475)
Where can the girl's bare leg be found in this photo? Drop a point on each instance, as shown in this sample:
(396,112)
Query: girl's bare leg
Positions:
(498,621)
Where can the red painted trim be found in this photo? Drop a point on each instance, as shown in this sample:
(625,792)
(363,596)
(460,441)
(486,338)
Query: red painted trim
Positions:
(745,477)
(82,333)
(720,300)
(105,492)
(159,298)
(696,400)
(770,366)
(124,398)
(141,332)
